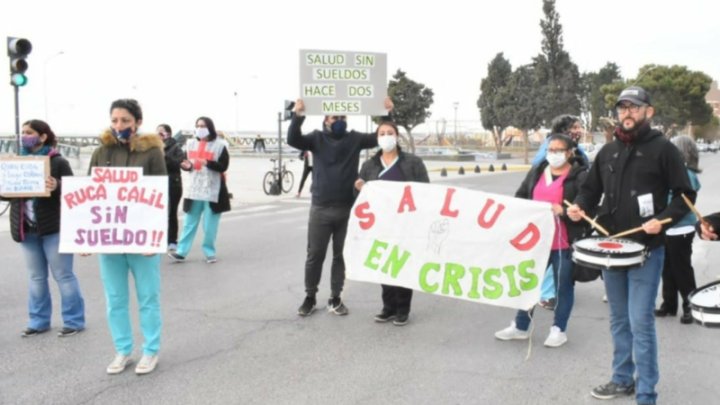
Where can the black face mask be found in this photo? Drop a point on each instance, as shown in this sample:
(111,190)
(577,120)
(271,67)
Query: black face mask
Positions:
(338,127)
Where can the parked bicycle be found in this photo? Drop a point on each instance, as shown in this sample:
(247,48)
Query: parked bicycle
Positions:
(278,180)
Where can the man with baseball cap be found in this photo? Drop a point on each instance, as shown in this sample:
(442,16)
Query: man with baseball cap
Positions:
(637,173)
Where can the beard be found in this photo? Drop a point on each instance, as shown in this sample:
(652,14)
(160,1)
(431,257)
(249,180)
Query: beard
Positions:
(629,125)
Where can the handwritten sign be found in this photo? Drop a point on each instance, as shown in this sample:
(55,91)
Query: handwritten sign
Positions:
(459,243)
(343,82)
(24,176)
(114,210)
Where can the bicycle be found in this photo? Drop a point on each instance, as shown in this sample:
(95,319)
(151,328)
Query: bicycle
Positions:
(271,184)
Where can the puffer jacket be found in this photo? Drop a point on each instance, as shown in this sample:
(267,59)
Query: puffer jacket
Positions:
(144,151)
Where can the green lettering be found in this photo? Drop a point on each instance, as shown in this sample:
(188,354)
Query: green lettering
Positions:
(374,254)
(530,279)
(395,263)
(453,272)
(473,293)
(428,288)
(493,288)
(510,272)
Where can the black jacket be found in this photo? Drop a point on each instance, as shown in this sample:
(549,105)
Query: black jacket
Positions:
(411,166)
(174,155)
(335,162)
(649,165)
(47,209)
(571,187)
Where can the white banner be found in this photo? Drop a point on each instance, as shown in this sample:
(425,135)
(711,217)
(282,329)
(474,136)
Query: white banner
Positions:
(115,210)
(450,241)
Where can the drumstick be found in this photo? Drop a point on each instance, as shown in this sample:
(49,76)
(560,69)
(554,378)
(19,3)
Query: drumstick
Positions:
(638,229)
(590,220)
(695,211)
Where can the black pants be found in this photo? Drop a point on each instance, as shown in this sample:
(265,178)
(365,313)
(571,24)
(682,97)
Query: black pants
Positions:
(174,201)
(678,275)
(396,300)
(326,222)
(306,172)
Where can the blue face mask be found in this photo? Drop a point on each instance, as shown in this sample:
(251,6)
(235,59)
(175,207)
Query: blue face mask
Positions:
(124,134)
(338,127)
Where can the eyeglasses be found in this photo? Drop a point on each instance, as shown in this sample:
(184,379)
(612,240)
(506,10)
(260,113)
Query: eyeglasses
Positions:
(557,150)
(623,108)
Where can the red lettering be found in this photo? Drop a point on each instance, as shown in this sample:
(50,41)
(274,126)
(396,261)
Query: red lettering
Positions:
(531,235)
(482,220)
(360,212)
(407,200)
(114,175)
(446,211)
(70,200)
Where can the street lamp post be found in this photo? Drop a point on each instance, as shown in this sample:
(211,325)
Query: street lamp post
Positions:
(455,105)
(45,91)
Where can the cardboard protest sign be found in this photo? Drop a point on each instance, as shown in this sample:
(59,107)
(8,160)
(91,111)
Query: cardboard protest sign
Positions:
(450,241)
(114,210)
(24,176)
(343,82)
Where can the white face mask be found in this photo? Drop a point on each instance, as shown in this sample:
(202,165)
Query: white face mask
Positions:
(556,159)
(387,142)
(201,132)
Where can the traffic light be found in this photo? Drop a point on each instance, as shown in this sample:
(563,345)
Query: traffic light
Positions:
(17,50)
(287,111)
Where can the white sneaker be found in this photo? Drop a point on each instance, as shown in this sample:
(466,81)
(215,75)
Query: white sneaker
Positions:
(556,338)
(512,333)
(118,364)
(147,364)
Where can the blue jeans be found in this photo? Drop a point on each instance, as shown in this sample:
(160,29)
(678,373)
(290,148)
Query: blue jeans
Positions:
(41,253)
(114,271)
(631,296)
(211,221)
(564,294)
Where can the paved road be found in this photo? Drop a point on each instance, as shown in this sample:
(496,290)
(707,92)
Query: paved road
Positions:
(232,334)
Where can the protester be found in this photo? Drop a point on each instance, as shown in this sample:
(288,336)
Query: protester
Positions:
(174,155)
(306,157)
(35,224)
(554,181)
(259,144)
(393,164)
(208,195)
(678,275)
(336,158)
(636,172)
(123,146)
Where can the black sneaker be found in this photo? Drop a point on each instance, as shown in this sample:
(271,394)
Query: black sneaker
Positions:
(336,306)
(28,332)
(307,307)
(686,317)
(65,332)
(176,257)
(664,311)
(401,320)
(612,390)
(384,316)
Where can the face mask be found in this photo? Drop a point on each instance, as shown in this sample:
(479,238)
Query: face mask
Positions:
(556,159)
(124,134)
(338,127)
(202,133)
(30,141)
(387,142)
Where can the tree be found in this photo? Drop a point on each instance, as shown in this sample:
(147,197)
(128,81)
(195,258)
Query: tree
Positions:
(558,76)
(499,71)
(592,99)
(412,102)
(678,94)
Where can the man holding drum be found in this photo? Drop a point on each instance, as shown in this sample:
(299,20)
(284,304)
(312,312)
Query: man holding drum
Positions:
(636,173)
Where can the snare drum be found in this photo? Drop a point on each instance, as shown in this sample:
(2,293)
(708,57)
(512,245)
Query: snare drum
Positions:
(705,304)
(608,254)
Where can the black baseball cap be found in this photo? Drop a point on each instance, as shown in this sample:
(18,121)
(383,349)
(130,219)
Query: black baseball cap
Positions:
(634,94)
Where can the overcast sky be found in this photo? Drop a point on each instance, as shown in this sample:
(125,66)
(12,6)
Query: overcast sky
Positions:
(185,59)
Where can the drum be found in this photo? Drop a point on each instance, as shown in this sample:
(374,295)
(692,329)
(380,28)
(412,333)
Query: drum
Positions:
(705,304)
(608,254)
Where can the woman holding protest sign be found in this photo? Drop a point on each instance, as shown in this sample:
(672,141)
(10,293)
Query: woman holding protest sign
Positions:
(556,179)
(122,146)
(35,224)
(391,163)
(207,196)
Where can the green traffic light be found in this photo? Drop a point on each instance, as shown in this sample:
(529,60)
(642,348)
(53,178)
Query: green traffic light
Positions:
(18,80)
